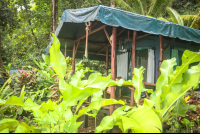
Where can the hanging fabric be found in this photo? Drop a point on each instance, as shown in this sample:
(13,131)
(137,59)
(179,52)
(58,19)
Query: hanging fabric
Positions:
(86,42)
(122,65)
(151,66)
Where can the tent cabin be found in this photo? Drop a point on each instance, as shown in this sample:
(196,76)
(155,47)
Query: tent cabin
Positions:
(136,41)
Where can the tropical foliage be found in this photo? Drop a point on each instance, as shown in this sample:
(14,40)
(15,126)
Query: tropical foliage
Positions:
(160,9)
(56,115)
(45,97)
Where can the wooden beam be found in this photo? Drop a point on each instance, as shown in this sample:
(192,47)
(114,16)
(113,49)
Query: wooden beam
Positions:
(113,67)
(88,52)
(102,49)
(94,24)
(120,32)
(93,31)
(108,37)
(66,40)
(73,58)
(145,83)
(143,36)
(160,53)
(149,84)
(77,46)
(105,93)
(164,57)
(168,44)
(138,37)
(133,62)
(89,43)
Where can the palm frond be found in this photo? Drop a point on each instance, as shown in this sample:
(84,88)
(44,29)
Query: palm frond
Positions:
(195,21)
(138,7)
(124,5)
(175,16)
(189,22)
(187,17)
(158,7)
(134,6)
(146,4)
(161,18)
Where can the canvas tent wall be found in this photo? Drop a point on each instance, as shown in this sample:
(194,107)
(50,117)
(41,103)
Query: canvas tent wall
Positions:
(151,42)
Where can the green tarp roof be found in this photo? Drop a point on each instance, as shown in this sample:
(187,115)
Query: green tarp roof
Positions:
(132,21)
(72,26)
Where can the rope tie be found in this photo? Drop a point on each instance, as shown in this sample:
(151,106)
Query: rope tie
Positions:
(86,42)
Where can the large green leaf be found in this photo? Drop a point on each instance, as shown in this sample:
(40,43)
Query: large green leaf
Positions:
(76,78)
(97,95)
(46,59)
(5,131)
(95,80)
(143,120)
(49,105)
(78,94)
(166,69)
(107,123)
(190,79)
(2,90)
(57,59)
(21,129)
(29,105)
(187,58)
(180,110)
(13,100)
(71,126)
(137,83)
(9,123)
(98,104)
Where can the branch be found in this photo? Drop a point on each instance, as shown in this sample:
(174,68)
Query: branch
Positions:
(4,5)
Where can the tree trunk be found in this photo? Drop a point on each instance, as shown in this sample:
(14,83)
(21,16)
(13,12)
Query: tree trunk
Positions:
(3,75)
(112,3)
(54,16)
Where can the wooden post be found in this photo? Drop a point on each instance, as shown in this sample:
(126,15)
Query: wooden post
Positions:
(65,49)
(160,53)
(106,61)
(113,67)
(133,63)
(73,58)
(106,68)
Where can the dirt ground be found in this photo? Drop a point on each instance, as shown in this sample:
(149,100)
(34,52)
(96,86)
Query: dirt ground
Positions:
(91,124)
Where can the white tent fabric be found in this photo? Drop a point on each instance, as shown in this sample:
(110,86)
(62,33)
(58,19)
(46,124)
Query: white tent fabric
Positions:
(122,65)
(151,66)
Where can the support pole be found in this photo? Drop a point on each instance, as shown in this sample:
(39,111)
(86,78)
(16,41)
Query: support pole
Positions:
(106,68)
(113,67)
(65,49)
(106,61)
(160,53)
(85,124)
(73,58)
(133,62)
